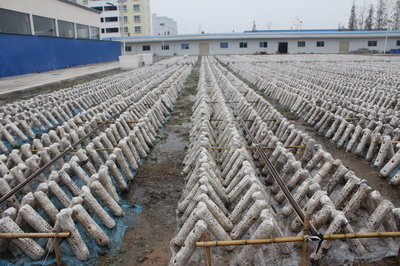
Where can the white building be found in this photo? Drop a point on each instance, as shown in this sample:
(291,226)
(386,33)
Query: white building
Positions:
(59,18)
(133,16)
(163,25)
(290,42)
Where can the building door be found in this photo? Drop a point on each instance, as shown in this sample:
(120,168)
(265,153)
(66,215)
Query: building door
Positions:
(343,47)
(204,49)
(283,47)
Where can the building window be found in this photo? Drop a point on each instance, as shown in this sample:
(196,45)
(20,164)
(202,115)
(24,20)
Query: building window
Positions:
(44,26)
(263,44)
(110,30)
(14,22)
(320,44)
(66,29)
(125,18)
(301,44)
(128,48)
(111,19)
(184,46)
(99,8)
(110,8)
(398,43)
(124,8)
(138,29)
(372,43)
(126,29)
(82,31)
(243,45)
(136,7)
(146,47)
(85,1)
(136,18)
(165,47)
(94,33)
(223,45)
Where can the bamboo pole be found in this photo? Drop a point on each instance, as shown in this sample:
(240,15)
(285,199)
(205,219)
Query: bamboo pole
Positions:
(349,119)
(34,235)
(265,148)
(103,149)
(100,122)
(207,250)
(393,142)
(294,239)
(57,249)
(306,232)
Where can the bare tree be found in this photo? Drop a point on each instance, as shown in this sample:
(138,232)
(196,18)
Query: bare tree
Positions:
(353,18)
(369,20)
(381,14)
(362,14)
(396,15)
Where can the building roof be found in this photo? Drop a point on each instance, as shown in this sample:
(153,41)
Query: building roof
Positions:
(275,34)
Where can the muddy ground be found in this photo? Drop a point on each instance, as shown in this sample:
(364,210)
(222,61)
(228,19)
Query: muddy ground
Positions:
(157,187)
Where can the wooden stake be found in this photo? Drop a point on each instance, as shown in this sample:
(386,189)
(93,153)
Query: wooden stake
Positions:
(398,257)
(207,250)
(34,235)
(57,250)
(306,232)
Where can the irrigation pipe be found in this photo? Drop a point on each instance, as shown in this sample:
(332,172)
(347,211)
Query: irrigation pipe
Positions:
(295,239)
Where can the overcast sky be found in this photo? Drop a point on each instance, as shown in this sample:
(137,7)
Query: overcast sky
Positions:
(223,16)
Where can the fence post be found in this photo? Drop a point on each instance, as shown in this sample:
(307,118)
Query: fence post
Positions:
(207,250)
(305,242)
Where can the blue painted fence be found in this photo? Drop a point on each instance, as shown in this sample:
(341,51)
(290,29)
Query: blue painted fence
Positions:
(23,54)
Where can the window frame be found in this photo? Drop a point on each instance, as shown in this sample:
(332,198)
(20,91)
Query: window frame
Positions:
(146,47)
(372,43)
(136,7)
(137,18)
(138,29)
(223,45)
(263,44)
(320,43)
(165,47)
(184,46)
(243,45)
(301,44)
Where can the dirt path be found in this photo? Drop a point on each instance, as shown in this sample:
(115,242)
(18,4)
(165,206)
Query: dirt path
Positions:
(157,187)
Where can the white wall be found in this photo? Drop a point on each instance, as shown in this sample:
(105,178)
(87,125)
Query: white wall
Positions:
(54,9)
(331,46)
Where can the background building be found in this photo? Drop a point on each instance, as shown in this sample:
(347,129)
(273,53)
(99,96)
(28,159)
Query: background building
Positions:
(132,15)
(37,36)
(164,25)
(282,42)
(58,18)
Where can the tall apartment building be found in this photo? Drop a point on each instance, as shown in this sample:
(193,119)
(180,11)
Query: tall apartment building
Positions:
(132,15)
(164,25)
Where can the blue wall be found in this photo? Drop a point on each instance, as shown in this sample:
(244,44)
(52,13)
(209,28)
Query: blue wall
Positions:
(23,54)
